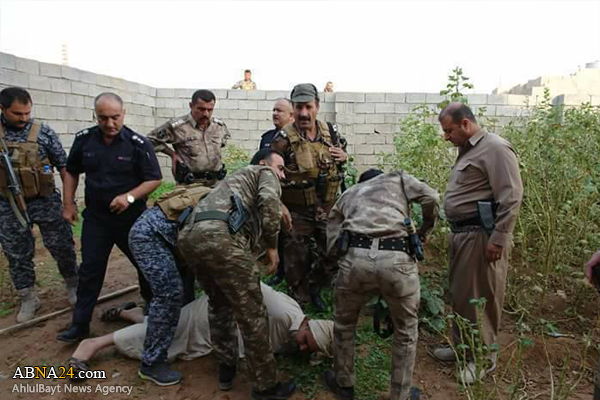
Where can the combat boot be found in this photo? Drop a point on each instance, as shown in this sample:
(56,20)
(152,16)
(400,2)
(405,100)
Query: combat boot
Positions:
(342,393)
(75,333)
(30,303)
(281,391)
(226,375)
(71,283)
(160,373)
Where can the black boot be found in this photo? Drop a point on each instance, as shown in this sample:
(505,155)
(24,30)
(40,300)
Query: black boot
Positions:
(315,297)
(342,393)
(75,333)
(226,375)
(281,391)
(159,373)
(274,281)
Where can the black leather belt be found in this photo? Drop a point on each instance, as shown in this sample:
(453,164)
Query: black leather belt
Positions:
(211,175)
(472,224)
(393,244)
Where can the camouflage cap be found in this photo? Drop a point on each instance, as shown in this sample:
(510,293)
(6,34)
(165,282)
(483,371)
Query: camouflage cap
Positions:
(304,92)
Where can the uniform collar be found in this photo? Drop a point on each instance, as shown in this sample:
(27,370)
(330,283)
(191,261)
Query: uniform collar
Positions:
(473,140)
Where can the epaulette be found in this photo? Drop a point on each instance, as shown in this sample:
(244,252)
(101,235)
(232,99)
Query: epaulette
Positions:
(137,138)
(82,133)
(280,133)
(218,121)
(177,122)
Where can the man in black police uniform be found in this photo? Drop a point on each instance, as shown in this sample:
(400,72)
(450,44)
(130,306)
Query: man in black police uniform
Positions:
(283,114)
(121,170)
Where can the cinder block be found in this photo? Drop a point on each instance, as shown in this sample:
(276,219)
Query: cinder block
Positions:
(40,82)
(506,111)
(133,87)
(46,112)
(250,145)
(28,66)
(248,125)
(391,118)
(265,105)
(259,115)
(37,96)
(51,70)
(61,85)
(327,108)
(404,108)
(145,89)
(13,78)
(364,128)
(219,93)
(80,88)
(518,100)
(356,118)
(165,92)
(497,99)
(67,140)
(328,97)
(477,98)
(375,138)
(238,114)
(240,134)
(375,97)
(77,126)
(237,94)
(265,126)
(184,93)
(88,102)
(103,80)
(221,114)
(248,105)
(8,61)
(416,98)
(69,73)
(395,97)
(117,83)
(165,112)
(386,128)
(228,104)
(374,118)
(174,103)
(88,77)
(364,149)
(575,99)
(56,99)
(276,94)
(384,148)
(365,108)
(382,108)
(349,97)
(434,98)
(60,127)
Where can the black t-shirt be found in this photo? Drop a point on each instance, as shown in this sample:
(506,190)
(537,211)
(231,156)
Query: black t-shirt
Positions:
(112,170)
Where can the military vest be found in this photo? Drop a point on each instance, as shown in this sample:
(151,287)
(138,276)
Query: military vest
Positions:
(313,174)
(182,197)
(35,175)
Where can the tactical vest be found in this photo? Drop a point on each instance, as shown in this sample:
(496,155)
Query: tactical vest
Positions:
(35,182)
(173,203)
(316,176)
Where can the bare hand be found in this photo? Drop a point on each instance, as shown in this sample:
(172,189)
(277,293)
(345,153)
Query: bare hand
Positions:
(338,154)
(595,260)
(286,218)
(119,204)
(70,213)
(272,261)
(174,163)
(493,252)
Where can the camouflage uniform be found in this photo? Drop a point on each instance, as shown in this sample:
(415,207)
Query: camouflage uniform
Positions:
(198,149)
(308,268)
(18,242)
(226,266)
(245,85)
(373,212)
(152,240)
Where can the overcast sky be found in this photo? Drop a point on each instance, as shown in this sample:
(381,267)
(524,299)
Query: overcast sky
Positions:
(390,46)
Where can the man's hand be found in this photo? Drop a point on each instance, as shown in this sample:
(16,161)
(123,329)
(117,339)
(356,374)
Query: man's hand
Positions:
(286,218)
(70,213)
(272,261)
(119,204)
(338,154)
(493,252)
(595,260)
(174,163)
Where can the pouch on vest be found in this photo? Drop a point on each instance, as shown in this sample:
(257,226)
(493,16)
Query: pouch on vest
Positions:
(46,182)
(29,182)
(298,195)
(304,157)
(333,186)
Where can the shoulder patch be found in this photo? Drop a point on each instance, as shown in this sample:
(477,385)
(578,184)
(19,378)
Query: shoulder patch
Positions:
(177,122)
(82,133)
(137,139)
(280,133)
(218,121)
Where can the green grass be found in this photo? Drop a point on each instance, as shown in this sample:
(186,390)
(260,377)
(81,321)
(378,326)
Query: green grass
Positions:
(165,187)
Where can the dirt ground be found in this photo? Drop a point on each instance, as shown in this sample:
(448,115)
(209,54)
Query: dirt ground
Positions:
(37,346)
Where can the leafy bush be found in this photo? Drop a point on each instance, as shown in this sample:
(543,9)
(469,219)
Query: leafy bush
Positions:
(235,158)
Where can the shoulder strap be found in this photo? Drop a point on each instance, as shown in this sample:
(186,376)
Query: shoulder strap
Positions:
(33,132)
(404,189)
(1,130)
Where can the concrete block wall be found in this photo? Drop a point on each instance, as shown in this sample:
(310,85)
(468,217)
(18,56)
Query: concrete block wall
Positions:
(63,98)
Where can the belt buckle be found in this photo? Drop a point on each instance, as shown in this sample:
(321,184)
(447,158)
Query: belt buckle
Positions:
(374,250)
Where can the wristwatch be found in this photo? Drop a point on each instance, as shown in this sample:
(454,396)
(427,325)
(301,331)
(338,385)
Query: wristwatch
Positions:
(130,198)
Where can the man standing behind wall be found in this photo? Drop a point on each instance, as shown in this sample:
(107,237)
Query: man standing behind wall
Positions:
(34,150)
(197,139)
(121,170)
(481,203)
(283,114)
(312,154)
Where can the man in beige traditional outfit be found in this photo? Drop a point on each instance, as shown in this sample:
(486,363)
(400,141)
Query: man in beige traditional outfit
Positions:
(481,203)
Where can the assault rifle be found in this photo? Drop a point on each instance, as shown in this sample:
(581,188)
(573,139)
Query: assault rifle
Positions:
(15,192)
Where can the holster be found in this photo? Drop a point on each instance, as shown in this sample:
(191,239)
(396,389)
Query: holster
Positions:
(238,214)
(342,243)
(487,215)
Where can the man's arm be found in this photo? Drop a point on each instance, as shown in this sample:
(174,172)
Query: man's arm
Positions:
(70,182)
(428,198)
(120,203)
(334,223)
(270,211)
(161,137)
